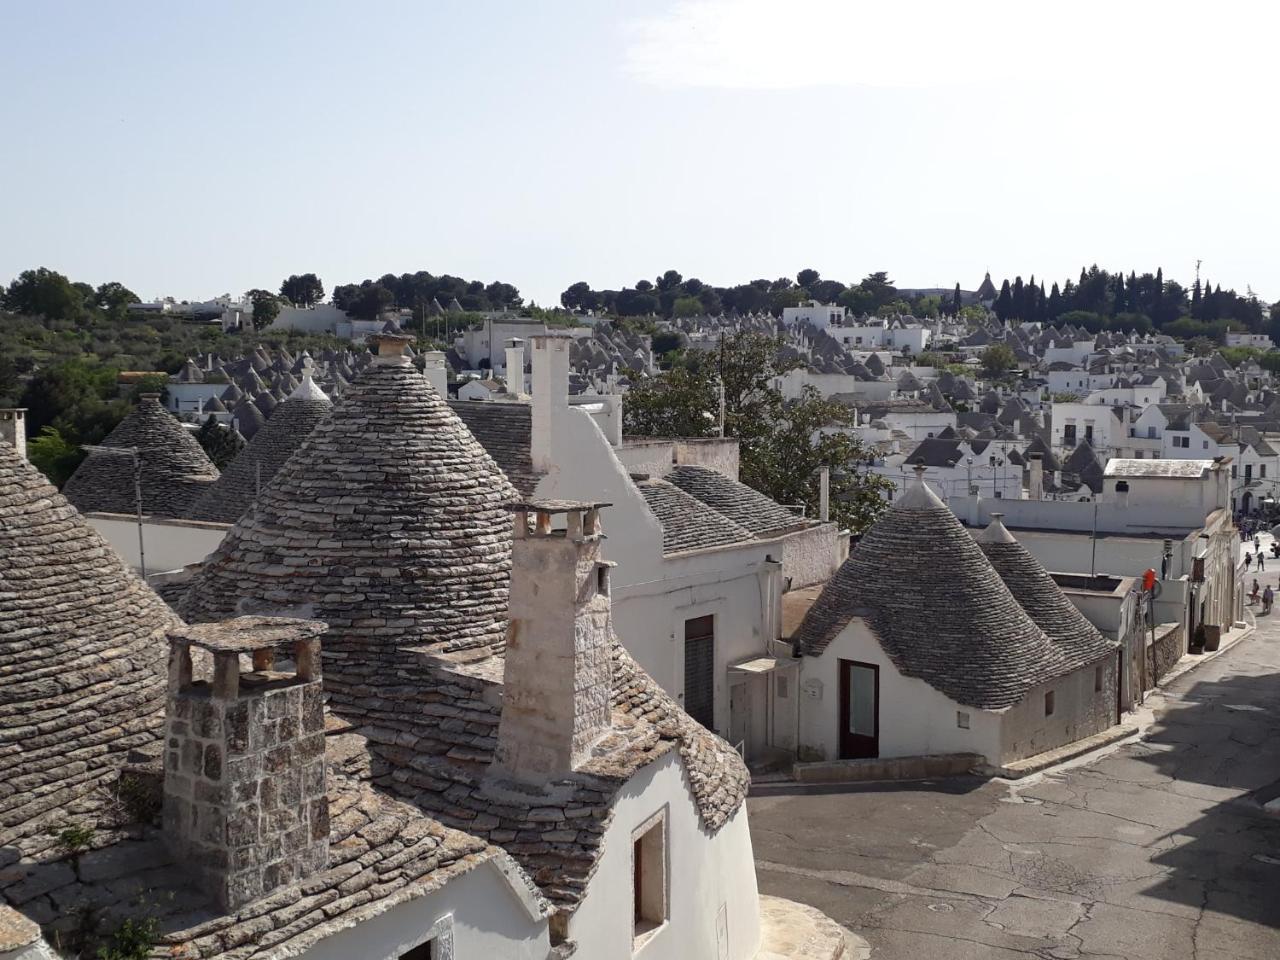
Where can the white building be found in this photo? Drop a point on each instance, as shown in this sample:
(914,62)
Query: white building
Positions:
(917,647)
(1258,340)
(820,315)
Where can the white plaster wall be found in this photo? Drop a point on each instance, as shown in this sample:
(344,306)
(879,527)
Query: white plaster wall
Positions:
(717,454)
(489,922)
(705,872)
(323,318)
(1079,711)
(169,544)
(191,397)
(915,719)
(654,457)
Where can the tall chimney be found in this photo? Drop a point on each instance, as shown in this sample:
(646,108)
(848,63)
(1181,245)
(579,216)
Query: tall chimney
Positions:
(245,802)
(557,681)
(1035,481)
(514,367)
(436,372)
(550,392)
(390,347)
(13,428)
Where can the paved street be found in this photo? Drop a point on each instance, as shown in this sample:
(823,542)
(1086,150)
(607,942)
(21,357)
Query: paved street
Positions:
(1155,851)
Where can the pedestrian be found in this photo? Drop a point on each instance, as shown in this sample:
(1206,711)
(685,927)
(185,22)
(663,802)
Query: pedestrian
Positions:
(1261,564)
(1268,598)
(1257,544)
(1253,595)
(1248,560)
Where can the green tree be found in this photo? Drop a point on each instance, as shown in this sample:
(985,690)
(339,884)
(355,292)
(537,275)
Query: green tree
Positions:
(53,455)
(808,278)
(220,442)
(302,290)
(114,299)
(687,307)
(781,444)
(998,359)
(44,293)
(266,307)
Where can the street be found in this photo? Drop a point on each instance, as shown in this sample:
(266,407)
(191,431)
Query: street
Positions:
(1156,850)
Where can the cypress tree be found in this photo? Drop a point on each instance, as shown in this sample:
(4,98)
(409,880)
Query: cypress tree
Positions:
(1004,302)
(1019,299)
(955,302)
(1120,302)
(1196,303)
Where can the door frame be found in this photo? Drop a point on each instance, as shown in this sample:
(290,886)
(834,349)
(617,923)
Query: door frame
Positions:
(842,712)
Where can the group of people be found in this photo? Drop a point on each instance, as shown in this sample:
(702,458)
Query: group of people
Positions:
(1268,596)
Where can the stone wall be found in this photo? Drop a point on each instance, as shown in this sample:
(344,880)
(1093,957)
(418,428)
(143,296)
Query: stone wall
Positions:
(245,794)
(1167,650)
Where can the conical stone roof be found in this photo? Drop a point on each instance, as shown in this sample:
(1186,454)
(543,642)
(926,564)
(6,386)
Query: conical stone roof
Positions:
(388,523)
(175,469)
(1038,594)
(940,611)
(291,423)
(82,652)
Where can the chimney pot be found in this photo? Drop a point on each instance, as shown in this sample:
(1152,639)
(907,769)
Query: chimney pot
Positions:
(390,348)
(13,428)
(245,802)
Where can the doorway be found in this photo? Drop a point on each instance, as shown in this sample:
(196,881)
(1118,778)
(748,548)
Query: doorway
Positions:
(859,710)
(699,670)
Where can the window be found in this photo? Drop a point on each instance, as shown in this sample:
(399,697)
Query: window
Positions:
(1088,432)
(1248,471)
(1204,444)
(1262,469)
(1097,679)
(1048,704)
(1151,433)
(649,878)
(962,720)
(602,580)
(1069,435)
(1233,471)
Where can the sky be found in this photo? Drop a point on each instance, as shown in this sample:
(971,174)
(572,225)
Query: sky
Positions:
(191,149)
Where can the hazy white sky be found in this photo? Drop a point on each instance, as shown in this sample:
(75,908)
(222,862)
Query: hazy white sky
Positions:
(194,149)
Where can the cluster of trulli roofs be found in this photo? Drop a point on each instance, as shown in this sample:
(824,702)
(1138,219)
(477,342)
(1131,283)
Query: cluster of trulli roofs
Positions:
(414,705)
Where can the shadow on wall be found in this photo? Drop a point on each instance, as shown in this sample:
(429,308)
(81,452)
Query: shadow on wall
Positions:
(1221,745)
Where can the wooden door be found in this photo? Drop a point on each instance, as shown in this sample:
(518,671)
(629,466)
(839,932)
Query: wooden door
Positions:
(859,710)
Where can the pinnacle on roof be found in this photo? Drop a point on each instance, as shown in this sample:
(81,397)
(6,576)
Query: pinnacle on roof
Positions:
(291,423)
(175,470)
(937,606)
(1038,594)
(389,523)
(81,654)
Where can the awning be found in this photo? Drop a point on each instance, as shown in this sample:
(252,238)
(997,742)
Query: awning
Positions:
(761,665)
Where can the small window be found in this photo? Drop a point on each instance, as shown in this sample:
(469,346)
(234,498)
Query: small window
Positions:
(1204,444)
(1262,469)
(602,580)
(649,875)
(1097,679)
(422,951)
(1048,704)
(962,720)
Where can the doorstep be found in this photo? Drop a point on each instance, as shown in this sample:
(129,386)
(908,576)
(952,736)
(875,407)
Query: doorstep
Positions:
(795,931)
(1077,748)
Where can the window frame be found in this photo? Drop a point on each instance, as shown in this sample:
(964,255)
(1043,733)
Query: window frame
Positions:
(650,840)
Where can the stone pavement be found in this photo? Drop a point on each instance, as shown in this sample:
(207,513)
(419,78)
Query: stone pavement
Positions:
(1151,850)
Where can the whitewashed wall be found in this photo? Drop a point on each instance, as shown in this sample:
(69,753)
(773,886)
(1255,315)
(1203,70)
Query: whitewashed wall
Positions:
(915,719)
(481,908)
(169,544)
(1078,712)
(707,872)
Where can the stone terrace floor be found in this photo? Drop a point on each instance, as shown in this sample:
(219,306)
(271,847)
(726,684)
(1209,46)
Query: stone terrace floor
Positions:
(1155,850)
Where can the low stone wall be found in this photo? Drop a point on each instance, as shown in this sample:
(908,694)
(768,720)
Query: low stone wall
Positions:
(1165,651)
(888,768)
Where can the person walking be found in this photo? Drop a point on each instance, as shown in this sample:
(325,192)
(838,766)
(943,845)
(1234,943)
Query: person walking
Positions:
(1261,562)
(1268,598)
(1248,560)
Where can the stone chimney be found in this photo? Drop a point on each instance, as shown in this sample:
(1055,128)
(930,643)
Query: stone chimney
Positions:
(390,347)
(436,372)
(1035,476)
(514,367)
(557,682)
(13,429)
(245,803)
(550,393)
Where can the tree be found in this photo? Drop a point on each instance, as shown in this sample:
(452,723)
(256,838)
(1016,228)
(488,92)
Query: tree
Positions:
(44,293)
(998,359)
(1004,303)
(303,290)
(687,307)
(114,300)
(955,302)
(220,443)
(266,307)
(807,278)
(54,456)
(782,444)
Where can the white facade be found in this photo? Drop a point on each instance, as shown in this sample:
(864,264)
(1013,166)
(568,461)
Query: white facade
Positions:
(916,719)
(1073,423)
(712,903)
(820,315)
(489,912)
(1259,340)
(883,335)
